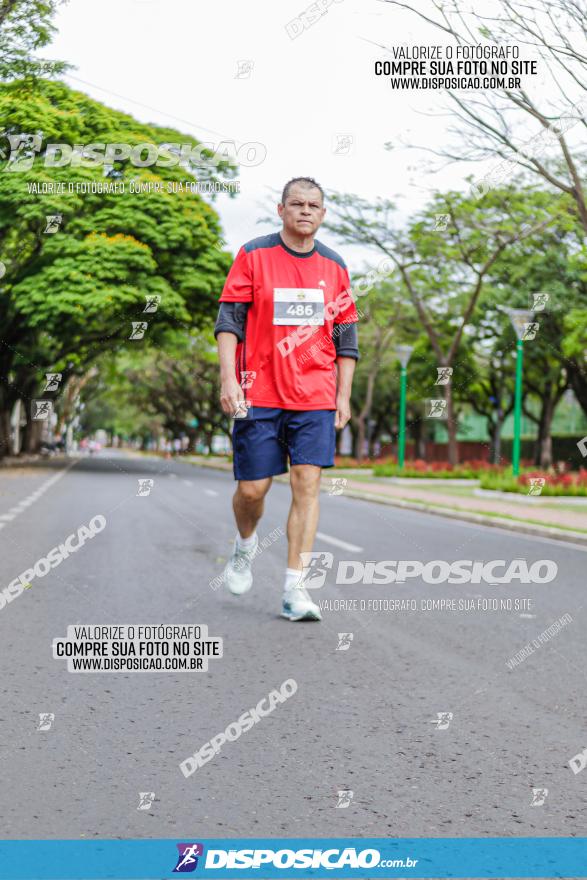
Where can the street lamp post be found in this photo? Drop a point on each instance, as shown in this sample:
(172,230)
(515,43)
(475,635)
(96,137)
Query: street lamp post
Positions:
(520,319)
(403,355)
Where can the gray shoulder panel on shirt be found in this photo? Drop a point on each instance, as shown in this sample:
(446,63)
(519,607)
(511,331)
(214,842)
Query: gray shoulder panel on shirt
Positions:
(329,254)
(263,241)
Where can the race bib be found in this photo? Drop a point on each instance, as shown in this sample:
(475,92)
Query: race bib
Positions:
(298,305)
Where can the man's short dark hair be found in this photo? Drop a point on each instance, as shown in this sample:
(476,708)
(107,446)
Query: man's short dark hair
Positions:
(304,181)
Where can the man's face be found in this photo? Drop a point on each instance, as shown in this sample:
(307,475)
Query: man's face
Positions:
(303,211)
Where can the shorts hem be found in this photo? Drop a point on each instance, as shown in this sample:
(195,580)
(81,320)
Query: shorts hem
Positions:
(314,463)
(263,476)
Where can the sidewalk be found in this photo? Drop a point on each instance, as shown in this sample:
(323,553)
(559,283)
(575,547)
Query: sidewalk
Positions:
(550,519)
(18,461)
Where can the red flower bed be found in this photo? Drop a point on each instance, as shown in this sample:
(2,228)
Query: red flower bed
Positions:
(551,478)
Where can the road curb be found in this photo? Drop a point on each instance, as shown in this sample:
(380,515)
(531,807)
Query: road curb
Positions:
(494,521)
(477,518)
(214,465)
(537,500)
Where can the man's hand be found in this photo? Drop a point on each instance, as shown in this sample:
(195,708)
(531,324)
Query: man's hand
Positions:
(230,395)
(343,411)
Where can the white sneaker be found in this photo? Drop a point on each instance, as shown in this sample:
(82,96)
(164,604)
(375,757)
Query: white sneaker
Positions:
(297,605)
(237,574)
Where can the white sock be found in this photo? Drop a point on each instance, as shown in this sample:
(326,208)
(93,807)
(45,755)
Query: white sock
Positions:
(245,543)
(293,576)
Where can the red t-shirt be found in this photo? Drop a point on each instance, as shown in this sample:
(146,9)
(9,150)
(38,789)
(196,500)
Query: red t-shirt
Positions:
(287,358)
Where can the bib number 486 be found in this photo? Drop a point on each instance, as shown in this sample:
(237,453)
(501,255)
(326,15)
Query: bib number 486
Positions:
(300,310)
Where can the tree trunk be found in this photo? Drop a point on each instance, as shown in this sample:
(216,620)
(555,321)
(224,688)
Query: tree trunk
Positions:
(451,427)
(361,434)
(578,383)
(192,440)
(5,440)
(550,400)
(25,433)
(374,445)
(354,436)
(34,431)
(546,450)
(495,434)
(9,394)
(538,443)
(543,457)
(365,415)
(417,432)
(540,422)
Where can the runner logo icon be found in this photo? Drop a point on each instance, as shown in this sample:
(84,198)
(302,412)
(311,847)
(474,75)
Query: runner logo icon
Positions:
(187,859)
(316,564)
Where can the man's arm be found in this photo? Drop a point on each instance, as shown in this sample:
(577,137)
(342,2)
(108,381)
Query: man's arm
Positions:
(346,342)
(345,368)
(229,330)
(230,390)
(237,296)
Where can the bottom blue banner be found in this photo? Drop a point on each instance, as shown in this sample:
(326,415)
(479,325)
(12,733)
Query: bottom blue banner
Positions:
(373,857)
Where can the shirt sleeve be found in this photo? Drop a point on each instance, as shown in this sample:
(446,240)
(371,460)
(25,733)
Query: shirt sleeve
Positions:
(239,282)
(347,313)
(231,319)
(346,341)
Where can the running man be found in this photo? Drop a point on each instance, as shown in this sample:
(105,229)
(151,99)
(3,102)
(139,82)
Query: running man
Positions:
(287,344)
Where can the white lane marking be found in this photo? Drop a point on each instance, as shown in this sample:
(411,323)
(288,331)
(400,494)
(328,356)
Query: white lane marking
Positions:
(344,545)
(210,492)
(173,476)
(187,482)
(34,496)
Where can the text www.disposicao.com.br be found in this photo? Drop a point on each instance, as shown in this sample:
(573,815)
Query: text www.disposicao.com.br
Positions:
(109,664)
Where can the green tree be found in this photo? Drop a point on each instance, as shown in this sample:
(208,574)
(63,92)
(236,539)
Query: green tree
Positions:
(491,390)
(68,297)
(549,271)
(383,309)
(25,28)
(532,128)
(445,257)
(575,349)
(176,388)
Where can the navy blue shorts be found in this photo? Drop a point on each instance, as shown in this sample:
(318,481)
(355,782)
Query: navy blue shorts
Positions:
(263,441)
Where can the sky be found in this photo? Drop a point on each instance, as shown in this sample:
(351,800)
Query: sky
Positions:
(177,62)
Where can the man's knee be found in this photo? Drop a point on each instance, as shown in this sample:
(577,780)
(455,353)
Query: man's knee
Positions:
(251,491)
(305,480)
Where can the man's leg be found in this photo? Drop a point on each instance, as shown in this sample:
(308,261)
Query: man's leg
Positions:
(303,515)
(259,454)
(248,503)
(248,507)
(301,531)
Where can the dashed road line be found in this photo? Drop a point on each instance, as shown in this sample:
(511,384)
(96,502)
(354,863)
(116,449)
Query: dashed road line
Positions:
(344,545)
(15,511)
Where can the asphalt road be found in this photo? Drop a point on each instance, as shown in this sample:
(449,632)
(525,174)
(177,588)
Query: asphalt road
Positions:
(362,719)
